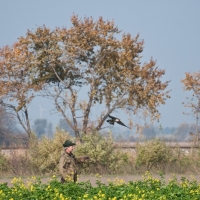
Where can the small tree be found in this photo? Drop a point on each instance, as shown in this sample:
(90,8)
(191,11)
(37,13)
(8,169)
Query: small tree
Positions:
(15,83)
(191,83)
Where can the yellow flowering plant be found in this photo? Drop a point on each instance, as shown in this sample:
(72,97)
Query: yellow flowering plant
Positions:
(147,189)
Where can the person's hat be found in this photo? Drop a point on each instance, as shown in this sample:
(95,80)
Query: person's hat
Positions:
(68,143)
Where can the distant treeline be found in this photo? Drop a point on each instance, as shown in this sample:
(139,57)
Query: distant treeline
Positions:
(10,135)
(184,132)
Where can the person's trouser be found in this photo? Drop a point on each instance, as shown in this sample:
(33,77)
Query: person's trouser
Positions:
(75,177)
(62,180)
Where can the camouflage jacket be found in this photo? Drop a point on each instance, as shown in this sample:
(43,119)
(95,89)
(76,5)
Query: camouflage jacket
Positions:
(68,166)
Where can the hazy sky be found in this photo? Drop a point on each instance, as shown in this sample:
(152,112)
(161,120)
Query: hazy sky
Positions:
(170,30)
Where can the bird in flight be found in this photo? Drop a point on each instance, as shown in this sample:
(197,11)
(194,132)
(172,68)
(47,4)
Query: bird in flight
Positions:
(114,119)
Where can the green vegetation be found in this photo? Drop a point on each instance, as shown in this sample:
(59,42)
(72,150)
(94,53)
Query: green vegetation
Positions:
(155,156)
(45,152)
(153,153)
(148,188)
(42,157)
(105,158)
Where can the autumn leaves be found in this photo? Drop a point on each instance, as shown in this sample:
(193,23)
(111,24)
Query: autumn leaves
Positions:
(88,56)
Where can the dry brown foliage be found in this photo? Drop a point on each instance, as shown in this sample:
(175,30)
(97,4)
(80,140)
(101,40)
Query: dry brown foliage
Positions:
(191,83)
(59,62)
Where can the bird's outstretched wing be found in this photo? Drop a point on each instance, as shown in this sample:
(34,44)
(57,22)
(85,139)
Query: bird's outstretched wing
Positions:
(121,123)
(112,117)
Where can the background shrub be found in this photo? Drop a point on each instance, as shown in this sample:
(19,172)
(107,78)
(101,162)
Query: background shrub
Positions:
(154,154)
(45,152)
(42,157)
(105,158)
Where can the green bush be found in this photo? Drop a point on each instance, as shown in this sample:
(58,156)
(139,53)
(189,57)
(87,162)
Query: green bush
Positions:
(45,152)
(153,154)
(105,158)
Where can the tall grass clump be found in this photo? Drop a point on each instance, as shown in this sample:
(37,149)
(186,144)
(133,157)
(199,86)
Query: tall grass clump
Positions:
(15,164)
(3,163)
(185,162)
(21,165)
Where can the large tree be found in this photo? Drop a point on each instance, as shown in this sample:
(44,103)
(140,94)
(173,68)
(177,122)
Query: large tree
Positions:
(90,57)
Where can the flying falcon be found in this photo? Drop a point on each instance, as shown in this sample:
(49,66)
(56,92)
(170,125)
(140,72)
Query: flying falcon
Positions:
(114,119)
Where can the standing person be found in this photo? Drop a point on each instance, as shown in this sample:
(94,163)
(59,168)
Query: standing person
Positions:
(68,163)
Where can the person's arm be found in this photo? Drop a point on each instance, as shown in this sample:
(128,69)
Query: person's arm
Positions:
(82,159)
(61,165)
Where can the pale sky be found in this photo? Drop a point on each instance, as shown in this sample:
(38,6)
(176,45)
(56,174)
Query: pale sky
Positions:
(170,30)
